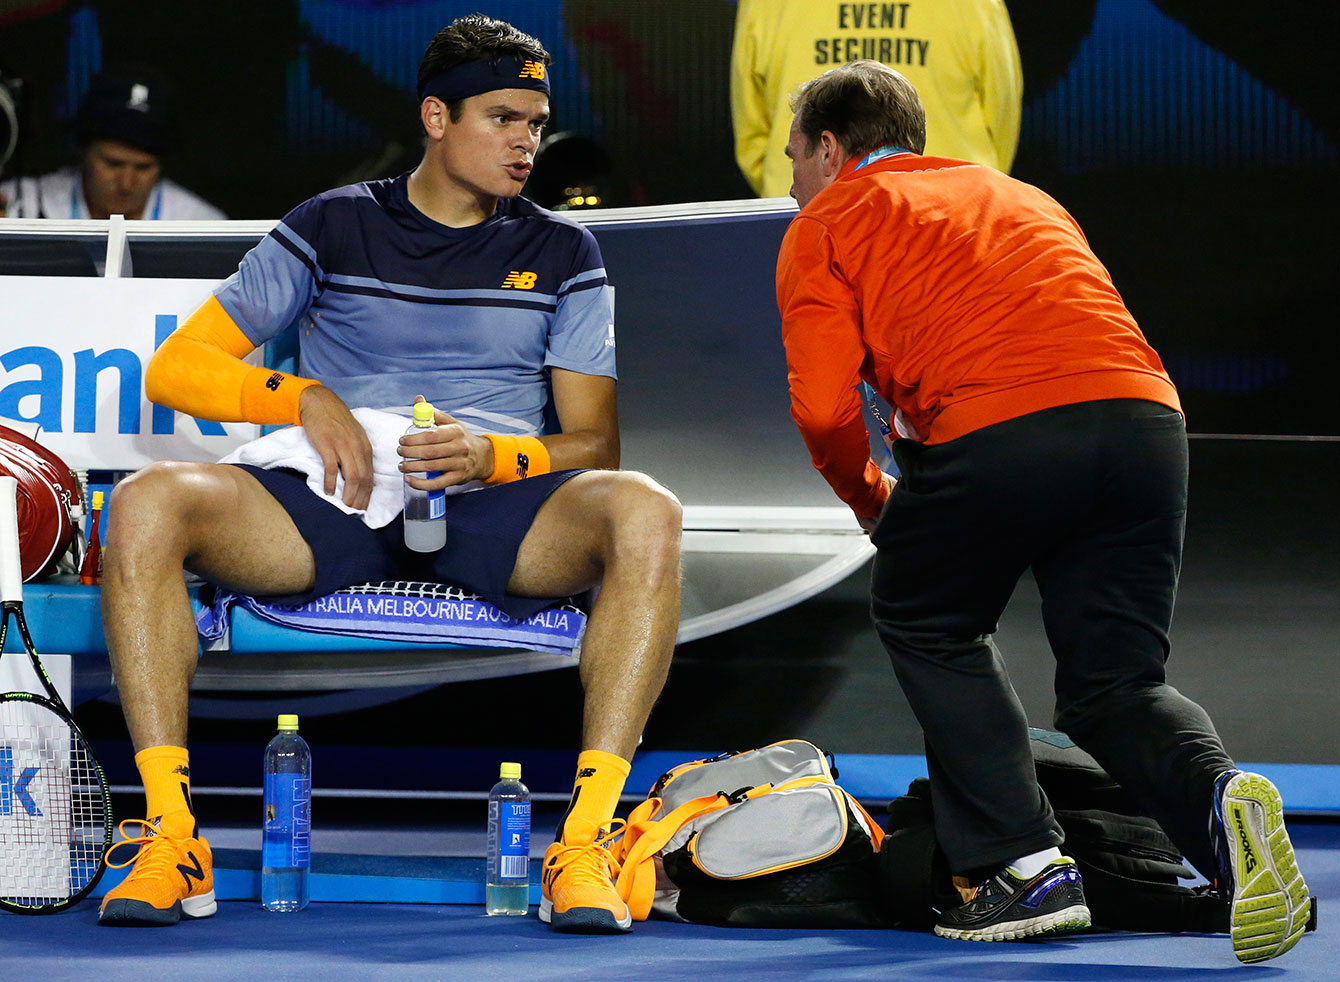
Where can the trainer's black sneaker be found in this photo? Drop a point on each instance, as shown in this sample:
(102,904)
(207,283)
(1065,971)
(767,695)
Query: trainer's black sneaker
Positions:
(1258,873)
(1006,908)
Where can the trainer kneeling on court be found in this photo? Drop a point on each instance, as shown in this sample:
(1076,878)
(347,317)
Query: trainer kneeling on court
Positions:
(441,283)
(1037,429)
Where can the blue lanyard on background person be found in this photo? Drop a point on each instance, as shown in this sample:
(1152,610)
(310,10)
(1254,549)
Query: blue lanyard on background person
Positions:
(879,153)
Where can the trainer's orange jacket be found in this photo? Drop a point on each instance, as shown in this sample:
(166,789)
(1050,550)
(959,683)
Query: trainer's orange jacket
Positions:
(964,297)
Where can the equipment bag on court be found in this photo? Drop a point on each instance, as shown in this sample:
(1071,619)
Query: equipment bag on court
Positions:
(1131,869)
(764,838)
(47,493)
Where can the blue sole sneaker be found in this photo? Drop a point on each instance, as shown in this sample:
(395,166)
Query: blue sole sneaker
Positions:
(1007,908)
(1258,871)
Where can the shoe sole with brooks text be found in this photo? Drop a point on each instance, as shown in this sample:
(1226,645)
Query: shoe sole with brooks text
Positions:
(1270,903)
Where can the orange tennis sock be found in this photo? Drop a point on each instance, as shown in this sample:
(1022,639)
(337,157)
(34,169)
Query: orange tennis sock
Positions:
(166,773)
(595,795)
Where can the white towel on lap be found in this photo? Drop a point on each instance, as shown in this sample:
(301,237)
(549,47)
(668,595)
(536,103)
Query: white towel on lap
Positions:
(291,449)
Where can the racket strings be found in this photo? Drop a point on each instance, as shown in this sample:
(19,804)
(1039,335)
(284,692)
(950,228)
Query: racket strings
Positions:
(53,811)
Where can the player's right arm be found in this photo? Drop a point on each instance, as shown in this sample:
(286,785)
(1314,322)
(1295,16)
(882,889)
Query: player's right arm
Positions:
(199,368)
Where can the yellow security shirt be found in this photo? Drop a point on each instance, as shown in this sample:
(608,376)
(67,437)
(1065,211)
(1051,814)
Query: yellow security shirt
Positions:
(960,55)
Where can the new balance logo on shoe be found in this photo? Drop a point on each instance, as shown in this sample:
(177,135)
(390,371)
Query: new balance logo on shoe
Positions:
(194,871)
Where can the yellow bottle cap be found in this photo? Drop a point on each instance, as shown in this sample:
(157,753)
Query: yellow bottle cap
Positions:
(287,721)
(97,500)
(510,772)
(423,413)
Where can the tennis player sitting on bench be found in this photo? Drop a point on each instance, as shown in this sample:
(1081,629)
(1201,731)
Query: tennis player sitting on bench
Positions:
(441,283)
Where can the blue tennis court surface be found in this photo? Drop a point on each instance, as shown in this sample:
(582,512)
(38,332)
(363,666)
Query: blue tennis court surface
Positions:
(358,940)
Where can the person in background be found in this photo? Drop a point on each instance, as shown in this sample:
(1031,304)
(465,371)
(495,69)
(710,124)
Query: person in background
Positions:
(960,54)
(1037,429)
(125,127)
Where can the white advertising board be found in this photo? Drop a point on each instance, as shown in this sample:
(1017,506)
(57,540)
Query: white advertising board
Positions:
(72,359)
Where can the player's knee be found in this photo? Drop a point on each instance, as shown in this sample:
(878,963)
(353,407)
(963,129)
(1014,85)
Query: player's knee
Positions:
(647,518)
(152,507)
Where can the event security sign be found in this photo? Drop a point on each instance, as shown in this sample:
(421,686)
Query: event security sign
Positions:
(73,353)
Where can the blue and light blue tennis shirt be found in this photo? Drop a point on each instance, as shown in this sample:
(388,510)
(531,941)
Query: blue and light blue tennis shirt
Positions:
(390,304)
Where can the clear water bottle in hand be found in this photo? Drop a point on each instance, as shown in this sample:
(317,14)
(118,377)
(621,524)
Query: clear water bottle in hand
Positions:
(286,849)
(507,874)
(425,511)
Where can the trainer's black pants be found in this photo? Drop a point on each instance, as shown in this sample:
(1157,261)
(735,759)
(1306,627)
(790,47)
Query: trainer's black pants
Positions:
(1092,496)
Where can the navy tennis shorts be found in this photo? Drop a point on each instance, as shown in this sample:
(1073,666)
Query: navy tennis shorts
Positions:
(484,532)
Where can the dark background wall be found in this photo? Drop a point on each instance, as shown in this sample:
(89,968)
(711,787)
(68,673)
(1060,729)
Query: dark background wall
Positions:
(1195,143)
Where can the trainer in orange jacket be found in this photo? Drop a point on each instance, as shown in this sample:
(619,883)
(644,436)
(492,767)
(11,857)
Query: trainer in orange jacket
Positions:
(963,296)
(1039,431)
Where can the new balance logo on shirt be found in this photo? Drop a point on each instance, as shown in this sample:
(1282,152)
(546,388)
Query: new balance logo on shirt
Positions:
(518,280)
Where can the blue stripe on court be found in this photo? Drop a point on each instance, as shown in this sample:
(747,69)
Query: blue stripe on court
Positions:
(350,878)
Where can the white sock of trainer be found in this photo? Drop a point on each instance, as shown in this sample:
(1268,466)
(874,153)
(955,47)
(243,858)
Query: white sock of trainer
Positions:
(1027,867)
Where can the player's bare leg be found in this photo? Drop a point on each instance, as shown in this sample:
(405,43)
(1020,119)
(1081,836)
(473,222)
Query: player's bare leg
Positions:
(221,522)
(213,519)
(622,531)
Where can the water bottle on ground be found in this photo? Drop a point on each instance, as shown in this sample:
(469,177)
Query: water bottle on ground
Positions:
(286,851)
(425,511)
(507,874)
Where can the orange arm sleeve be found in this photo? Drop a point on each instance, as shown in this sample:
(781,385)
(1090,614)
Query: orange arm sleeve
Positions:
(821,329)
(199,370)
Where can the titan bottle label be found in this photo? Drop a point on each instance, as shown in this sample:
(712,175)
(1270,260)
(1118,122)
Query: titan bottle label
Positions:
(288,821)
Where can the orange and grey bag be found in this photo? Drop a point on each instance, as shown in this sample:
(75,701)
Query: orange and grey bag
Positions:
(47,493)
(764,838)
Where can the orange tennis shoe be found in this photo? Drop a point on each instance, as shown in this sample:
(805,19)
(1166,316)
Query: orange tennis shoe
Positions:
(172,878)
(577,892)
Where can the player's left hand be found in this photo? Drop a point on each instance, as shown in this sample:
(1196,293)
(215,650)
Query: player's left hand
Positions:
(449,448)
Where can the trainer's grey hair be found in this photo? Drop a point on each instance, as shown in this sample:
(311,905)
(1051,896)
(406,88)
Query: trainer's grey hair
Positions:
(865,105)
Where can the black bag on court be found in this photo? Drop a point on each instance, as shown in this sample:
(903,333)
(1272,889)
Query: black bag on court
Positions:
(1131,869)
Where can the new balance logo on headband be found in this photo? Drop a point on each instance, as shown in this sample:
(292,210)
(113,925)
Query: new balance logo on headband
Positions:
(531,69)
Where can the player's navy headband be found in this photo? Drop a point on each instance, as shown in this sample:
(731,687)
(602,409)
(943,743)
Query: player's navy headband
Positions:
(473,77)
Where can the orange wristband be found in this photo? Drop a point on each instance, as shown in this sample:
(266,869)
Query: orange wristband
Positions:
(516,457)
(272,397)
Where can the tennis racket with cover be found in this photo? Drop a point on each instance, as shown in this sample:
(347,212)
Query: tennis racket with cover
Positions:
(55,804)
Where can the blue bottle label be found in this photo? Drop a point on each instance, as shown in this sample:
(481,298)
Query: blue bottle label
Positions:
(513,839)
(288,821)
(437,500)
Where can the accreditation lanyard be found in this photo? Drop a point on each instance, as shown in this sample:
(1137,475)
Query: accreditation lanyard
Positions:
(879,153)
